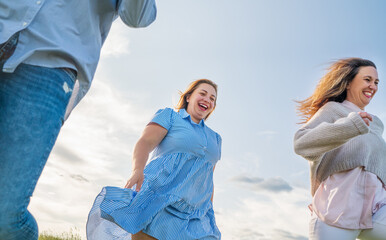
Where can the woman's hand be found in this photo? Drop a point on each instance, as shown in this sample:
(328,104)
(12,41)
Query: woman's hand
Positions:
(137,177)
(366,117)
(151,137)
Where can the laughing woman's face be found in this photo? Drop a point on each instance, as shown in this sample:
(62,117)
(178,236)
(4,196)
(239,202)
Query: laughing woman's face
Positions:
(363,87)
(201,102)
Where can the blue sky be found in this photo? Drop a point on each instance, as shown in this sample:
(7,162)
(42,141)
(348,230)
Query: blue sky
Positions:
(263,55)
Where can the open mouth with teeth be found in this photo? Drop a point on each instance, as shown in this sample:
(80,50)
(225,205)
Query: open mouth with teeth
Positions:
(203,107)
(368,94)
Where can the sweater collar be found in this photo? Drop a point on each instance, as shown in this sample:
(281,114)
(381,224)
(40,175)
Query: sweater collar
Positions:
(351,106)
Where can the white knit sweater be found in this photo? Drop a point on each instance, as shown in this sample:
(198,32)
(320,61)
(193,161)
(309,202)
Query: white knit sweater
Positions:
(336,139)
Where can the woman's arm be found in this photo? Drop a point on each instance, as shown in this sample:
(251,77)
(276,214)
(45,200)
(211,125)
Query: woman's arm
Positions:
(321,134)
(151,137)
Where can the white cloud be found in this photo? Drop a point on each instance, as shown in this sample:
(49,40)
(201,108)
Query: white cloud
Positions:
(264,215)
(251,207)
(118,41)
(93,150)
(275,184)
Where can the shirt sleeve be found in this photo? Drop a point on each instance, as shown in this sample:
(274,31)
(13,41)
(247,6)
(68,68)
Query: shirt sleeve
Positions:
(164,118)
(137,13)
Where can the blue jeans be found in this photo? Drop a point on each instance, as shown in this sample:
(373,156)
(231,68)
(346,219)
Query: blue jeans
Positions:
(33,101)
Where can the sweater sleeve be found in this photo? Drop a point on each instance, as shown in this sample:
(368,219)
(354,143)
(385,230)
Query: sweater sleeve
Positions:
(324,133)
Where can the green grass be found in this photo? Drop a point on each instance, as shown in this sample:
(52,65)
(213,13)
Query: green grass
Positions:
(62,236)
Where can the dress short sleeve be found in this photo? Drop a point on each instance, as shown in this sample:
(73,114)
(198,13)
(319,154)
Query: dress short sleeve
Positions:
(164,118)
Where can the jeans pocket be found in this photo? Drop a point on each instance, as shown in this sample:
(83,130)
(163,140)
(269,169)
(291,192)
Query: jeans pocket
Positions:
(71,73)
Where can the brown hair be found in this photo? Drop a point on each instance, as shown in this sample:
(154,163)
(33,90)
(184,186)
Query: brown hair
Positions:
(332,86)
(183,104)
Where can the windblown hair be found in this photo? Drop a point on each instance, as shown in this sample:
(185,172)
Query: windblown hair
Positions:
(332,86)
(183,104)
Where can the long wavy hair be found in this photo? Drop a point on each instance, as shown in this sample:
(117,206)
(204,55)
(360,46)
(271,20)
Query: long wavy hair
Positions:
(332,86)
(183,104)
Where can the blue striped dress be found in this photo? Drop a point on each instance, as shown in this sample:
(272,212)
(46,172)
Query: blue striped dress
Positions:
(174,200)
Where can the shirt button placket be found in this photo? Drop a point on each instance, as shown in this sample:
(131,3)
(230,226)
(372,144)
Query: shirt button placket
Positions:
(206,140)
(31,14)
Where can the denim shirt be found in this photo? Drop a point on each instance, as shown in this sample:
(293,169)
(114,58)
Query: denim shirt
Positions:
(67,33)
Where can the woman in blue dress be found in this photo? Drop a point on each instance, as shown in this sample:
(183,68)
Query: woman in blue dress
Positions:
(171,197)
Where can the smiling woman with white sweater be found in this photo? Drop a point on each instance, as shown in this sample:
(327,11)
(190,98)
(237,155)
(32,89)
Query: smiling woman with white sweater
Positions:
(347,154)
